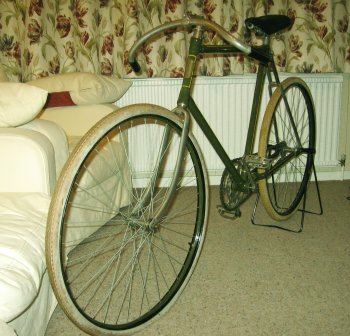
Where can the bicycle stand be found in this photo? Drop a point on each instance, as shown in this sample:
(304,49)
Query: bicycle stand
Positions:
(303,209)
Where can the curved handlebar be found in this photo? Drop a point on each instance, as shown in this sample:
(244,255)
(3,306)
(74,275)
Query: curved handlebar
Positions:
(186,22)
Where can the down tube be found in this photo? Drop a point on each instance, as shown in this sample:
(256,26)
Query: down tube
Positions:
(210,135)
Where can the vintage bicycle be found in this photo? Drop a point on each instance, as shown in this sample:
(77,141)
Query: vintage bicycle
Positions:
(128,218)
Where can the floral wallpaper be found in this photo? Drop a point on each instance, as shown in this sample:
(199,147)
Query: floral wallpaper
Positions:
(41,38)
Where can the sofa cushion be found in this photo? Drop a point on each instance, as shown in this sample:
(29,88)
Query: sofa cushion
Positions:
(77,120)
(85,88)
(22,250)
(59,99)
(19,103)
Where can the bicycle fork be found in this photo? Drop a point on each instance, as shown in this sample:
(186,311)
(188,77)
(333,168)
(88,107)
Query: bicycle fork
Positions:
(149,190)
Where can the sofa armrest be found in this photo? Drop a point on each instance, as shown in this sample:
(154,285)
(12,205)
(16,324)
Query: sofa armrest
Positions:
(6,330)
(27,161)
(57,137)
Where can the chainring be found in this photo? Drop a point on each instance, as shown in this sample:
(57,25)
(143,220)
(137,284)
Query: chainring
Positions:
(230,196)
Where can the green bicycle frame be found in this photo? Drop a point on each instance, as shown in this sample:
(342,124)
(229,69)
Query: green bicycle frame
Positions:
(185,99)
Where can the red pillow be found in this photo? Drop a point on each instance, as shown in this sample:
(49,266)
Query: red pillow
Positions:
(57,99)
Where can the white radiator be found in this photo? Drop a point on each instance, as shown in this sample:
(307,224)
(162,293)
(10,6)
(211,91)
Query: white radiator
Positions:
(226,104)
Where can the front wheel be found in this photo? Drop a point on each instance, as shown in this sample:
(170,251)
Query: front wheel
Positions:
(287,142)
(113,267)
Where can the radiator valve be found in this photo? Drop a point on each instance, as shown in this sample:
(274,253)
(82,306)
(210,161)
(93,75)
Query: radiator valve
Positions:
(342,160)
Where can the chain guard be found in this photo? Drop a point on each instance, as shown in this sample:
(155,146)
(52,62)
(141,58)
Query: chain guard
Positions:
(231,198)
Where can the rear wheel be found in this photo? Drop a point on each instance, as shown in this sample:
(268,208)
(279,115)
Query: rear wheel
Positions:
(113,267)
(287,141)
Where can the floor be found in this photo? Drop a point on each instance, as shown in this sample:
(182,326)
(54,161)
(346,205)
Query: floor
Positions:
(262,281)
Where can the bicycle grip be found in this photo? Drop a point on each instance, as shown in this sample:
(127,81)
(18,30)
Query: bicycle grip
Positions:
(135,66)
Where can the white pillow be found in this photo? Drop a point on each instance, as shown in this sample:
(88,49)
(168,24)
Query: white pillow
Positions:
(19,103)
(85,88)
(3,76)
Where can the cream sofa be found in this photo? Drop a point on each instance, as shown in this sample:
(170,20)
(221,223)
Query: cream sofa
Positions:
(32,155)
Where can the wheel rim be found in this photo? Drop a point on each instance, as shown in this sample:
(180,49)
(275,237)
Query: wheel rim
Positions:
(286,186)
(121,274)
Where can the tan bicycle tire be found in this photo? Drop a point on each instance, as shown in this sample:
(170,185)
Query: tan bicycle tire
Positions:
(274,110)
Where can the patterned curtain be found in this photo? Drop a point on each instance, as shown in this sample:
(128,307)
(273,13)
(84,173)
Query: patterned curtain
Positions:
(40,38)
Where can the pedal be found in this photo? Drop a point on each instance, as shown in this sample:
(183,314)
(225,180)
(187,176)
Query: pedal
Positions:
(257,161)
(229,214)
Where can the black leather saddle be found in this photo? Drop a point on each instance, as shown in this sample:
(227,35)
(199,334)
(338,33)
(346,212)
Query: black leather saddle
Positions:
(269,24)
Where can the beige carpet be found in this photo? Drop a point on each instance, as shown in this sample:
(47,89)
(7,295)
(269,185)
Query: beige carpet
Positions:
(262,281)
